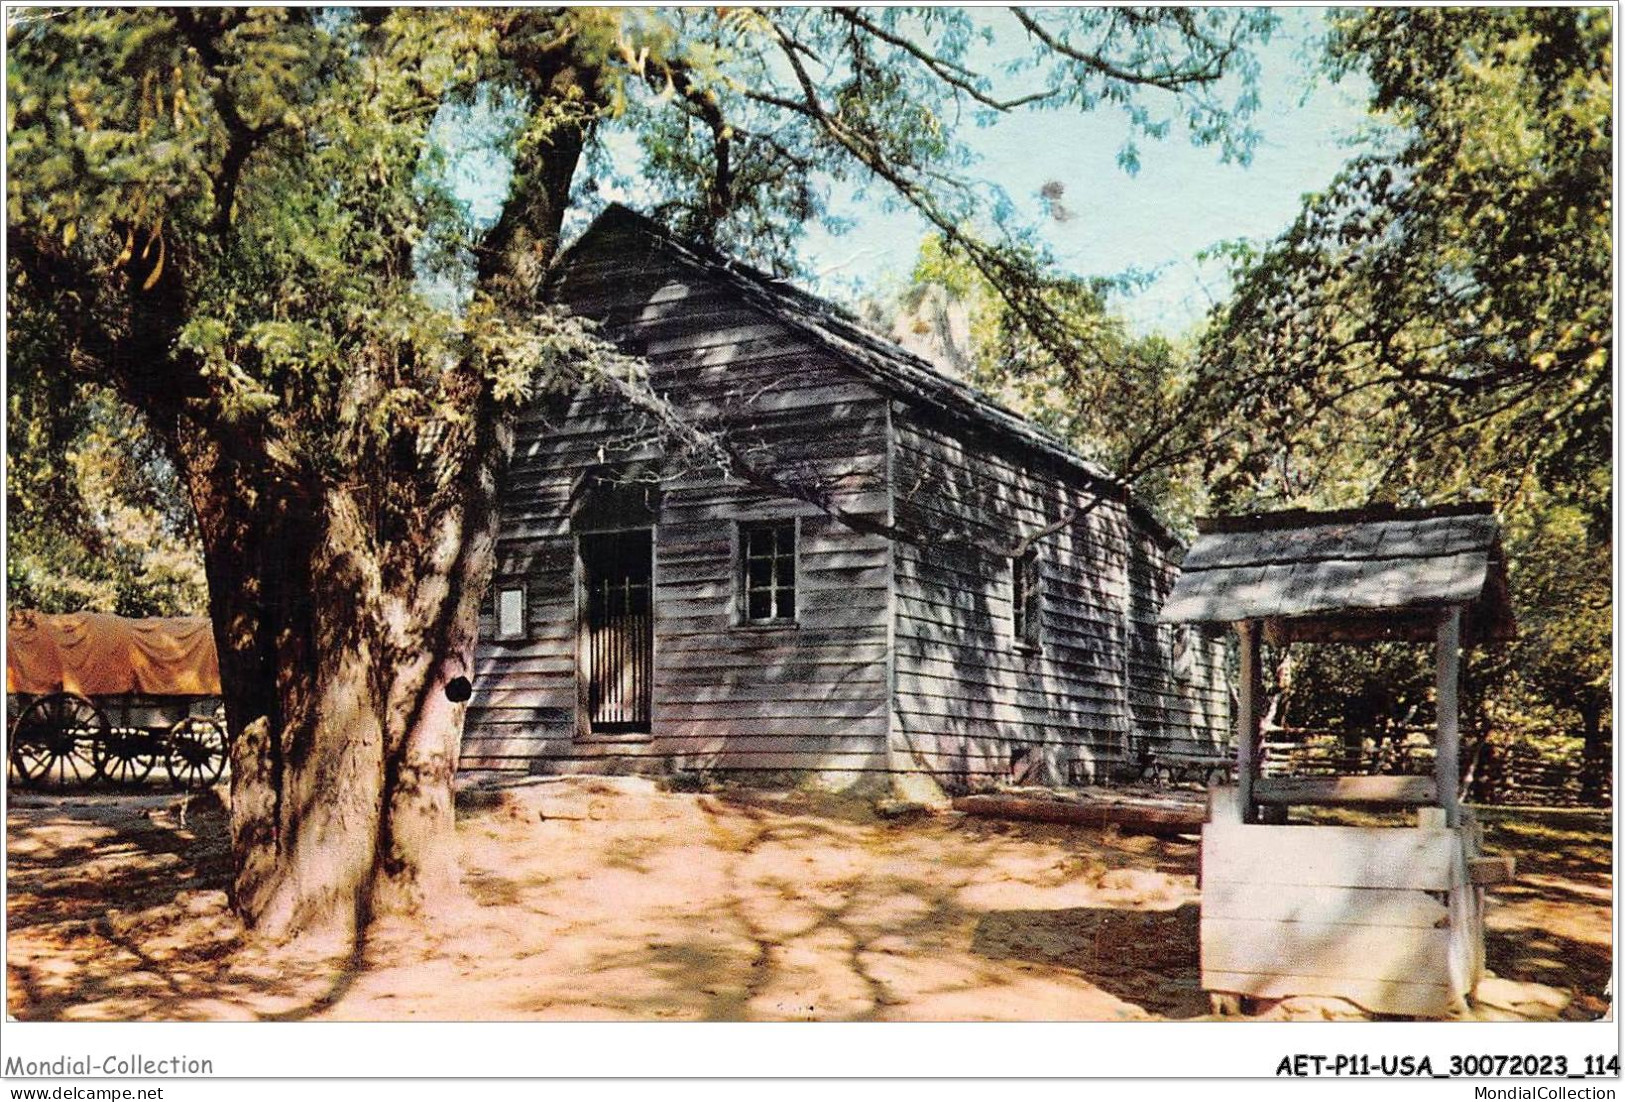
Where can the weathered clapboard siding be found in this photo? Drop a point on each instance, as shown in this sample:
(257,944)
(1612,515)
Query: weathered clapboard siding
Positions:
(525,692)
(1180,701)
(969,698)
(902,656)
(811,696)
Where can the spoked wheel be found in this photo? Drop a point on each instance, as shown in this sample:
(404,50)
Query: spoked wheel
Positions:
(55,741)
(126,756)
(197,752)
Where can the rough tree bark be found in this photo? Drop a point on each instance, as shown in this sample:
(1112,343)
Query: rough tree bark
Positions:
(338,641)
(344,607)
(336,649)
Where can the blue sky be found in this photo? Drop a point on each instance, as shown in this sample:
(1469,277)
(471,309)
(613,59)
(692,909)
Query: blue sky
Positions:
(1183,199)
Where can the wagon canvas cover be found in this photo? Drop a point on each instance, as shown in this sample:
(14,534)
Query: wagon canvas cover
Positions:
(97,654)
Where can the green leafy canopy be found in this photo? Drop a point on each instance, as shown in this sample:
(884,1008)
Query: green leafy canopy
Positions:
(1437,324)
(241,219)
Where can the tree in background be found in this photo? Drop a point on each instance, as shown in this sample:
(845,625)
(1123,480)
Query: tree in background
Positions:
(1444,310)
(231,216)
(96,517)
(1129,402)
(1437,324)
(97,520)
(1562,661)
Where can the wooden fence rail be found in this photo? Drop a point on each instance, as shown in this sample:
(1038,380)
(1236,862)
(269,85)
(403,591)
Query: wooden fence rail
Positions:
(1494,773)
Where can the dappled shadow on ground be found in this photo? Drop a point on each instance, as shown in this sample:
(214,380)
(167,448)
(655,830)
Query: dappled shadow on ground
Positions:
(117,909)
(608,899)
(752,905)
(1552,924)
(1575,845)
(601,900)
(1544,957)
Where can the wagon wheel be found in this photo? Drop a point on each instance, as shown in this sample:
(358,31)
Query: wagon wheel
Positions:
(126,756)
(55,741)
(197,752)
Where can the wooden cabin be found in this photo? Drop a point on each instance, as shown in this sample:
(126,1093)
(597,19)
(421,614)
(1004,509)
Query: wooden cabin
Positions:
(887,573)
(1389,918)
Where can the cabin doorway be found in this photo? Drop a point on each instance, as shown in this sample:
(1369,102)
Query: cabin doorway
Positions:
(617,630)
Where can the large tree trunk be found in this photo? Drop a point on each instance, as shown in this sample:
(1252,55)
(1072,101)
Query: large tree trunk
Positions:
(346,558)
(345,586)
(339,635)
(336,650)
(335,663)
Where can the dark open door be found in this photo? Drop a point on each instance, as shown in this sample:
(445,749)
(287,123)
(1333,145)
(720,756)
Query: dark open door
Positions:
(617,632)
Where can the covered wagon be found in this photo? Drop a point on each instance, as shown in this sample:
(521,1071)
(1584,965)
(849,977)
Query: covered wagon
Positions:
(92,695)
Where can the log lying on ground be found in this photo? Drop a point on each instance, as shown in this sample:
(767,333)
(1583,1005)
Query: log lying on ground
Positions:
(1143,818)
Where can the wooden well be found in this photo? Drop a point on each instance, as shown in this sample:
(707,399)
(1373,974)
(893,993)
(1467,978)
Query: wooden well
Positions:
(1388,918)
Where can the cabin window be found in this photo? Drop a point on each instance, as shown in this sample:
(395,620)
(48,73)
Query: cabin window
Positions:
(511,618)
(767,556)
(1026,592)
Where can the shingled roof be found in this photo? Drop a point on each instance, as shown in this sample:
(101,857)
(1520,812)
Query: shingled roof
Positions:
(1357,574)
(884,363)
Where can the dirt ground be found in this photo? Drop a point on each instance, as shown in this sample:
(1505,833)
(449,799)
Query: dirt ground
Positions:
(609,899)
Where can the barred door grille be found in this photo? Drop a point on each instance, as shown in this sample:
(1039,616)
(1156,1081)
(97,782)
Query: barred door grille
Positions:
(618,635)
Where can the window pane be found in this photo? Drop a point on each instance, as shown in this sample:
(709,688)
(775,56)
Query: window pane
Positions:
(759,572)
(768,570)
(511,612)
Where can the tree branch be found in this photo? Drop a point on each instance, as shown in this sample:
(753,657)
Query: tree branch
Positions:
(949,72)
(241,137)
(703,103)
(1171,79)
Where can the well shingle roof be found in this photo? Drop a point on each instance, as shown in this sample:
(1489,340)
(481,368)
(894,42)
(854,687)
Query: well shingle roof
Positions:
(1360,562)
